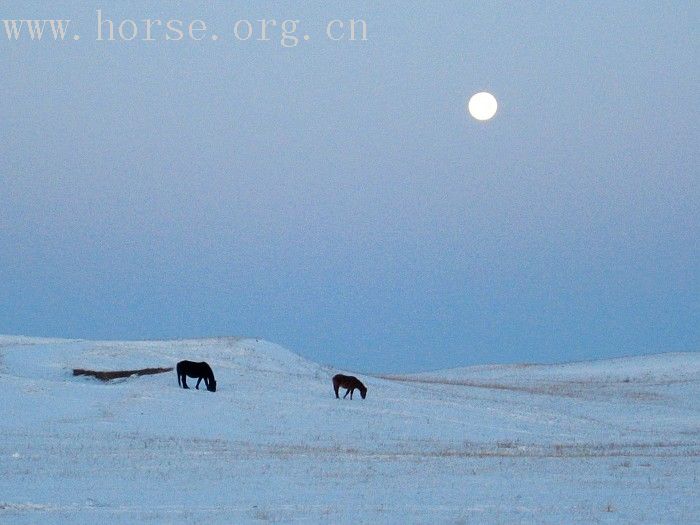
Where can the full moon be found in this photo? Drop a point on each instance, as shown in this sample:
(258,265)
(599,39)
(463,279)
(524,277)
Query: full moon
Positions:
(482,106)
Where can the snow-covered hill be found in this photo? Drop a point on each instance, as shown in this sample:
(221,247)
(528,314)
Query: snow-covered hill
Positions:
(606,441)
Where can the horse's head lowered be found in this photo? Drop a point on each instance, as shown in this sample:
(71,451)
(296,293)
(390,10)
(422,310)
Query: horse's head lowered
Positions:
(363,391)
(212,385)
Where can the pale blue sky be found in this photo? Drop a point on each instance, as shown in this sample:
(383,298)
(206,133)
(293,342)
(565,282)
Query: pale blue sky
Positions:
(337,199)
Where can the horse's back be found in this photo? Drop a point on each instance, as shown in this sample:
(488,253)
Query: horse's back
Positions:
(184,366)
(191,367)
(345,381)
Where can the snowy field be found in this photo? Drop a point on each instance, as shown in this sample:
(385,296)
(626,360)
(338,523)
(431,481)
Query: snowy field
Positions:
(600,442)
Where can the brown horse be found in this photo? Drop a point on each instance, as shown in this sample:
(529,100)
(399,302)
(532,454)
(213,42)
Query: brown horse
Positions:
(349,383)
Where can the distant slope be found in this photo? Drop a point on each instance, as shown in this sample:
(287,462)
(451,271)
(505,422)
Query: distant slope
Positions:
(656,367)
(640,377)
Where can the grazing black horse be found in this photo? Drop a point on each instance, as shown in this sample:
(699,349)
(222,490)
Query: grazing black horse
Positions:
(199,370)
(349,383)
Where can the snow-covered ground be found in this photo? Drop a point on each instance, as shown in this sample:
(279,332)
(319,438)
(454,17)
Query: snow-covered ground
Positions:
(606,441)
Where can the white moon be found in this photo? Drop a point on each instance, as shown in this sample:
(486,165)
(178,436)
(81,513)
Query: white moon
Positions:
(483,106)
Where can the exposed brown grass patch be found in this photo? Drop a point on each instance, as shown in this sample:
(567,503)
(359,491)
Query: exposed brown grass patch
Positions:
(573,389)
(544,389)
(108,375)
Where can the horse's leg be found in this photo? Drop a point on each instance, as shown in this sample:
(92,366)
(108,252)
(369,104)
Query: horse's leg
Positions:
(351,392)
(346,393)
(198,381)
(184,381)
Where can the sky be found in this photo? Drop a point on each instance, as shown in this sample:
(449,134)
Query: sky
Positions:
(337,198)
